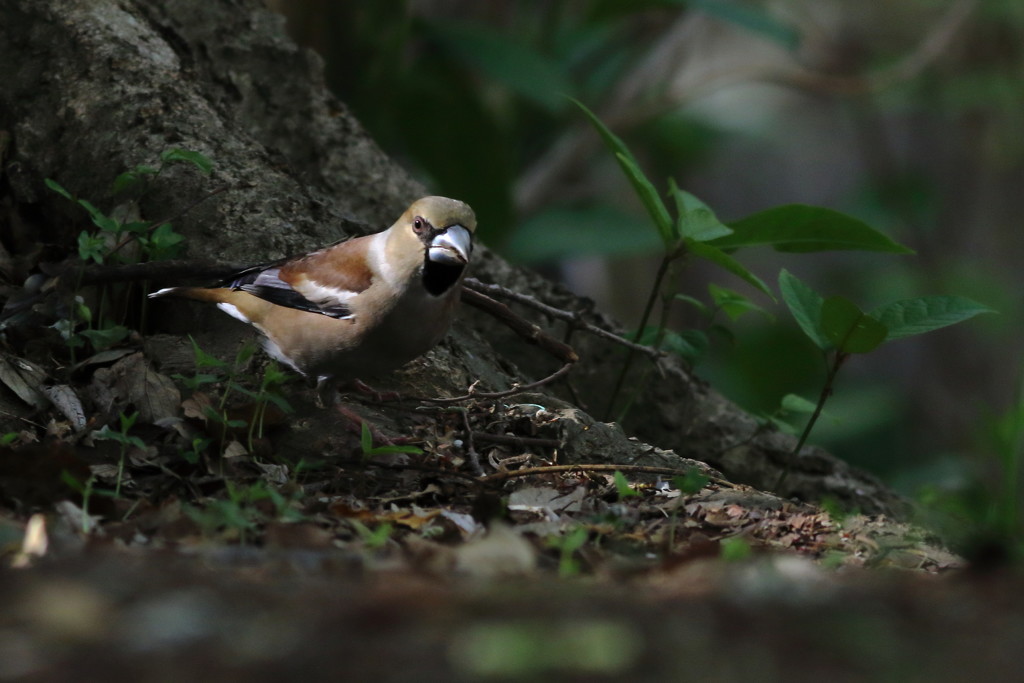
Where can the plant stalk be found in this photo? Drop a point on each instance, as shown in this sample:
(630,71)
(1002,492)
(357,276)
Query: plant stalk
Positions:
(826,391)
(663,268)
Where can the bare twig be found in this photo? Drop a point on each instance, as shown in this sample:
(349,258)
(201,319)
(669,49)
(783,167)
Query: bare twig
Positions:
(515,389)
(528,331)
(573,318)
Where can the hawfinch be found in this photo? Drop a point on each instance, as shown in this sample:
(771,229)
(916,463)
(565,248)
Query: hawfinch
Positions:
(361,307)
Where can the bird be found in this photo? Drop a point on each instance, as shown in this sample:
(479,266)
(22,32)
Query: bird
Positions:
(360,307)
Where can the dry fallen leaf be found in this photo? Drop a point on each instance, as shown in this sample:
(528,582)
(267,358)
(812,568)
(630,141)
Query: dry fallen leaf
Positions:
(24,379)
(154,395)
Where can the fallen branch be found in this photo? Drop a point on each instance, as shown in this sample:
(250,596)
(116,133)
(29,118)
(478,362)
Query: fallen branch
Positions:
(515,389)
(571,317)
(527,330)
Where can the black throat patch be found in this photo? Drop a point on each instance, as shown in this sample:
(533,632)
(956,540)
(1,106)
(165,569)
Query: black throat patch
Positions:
(438,278)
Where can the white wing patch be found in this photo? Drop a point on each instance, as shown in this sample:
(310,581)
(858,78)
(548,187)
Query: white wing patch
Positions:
(274,351)
(321,294)
(233,311)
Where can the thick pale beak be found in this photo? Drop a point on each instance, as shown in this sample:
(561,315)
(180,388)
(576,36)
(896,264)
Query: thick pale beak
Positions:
(452,247)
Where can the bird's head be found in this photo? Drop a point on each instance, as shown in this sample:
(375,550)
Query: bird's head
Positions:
(440,230)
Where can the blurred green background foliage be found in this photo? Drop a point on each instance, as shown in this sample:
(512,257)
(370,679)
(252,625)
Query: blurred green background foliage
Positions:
(906,115)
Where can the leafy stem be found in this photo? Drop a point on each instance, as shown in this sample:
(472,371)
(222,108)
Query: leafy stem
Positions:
(657,292)
(838,326)
(838,359)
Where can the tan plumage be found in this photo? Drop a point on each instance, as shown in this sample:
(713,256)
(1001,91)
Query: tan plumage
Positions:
(361,307)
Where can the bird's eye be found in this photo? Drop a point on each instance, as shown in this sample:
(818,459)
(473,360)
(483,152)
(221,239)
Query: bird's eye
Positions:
(419,225)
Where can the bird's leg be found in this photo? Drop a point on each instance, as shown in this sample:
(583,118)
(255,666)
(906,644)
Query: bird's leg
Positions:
(378,396)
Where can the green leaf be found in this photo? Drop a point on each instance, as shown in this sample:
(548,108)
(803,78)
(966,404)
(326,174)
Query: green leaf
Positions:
(650,198)
(611,140)
(805,305)
(622,486)
(505,59)
(198,380)
(691,345)
(643,187)
(366,444)
(203,359)
(100,219)
(365,438)
(575,539)
(90,247)
(107,337)
(372,538)
(734,304)
(124,181)
(799,228)
(793,403)
(908,317)
(128,421)
(734,549)
(694,218)
(200,161)
(693,301)
(163,243)
(600,230)
(693,482)
(66,328)
(280,402)
(850,329)
(715,255)
(58,188)
(107,434)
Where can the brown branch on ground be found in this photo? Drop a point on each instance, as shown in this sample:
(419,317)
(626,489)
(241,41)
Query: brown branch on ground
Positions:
(528,331)
(573,318)
(515,389)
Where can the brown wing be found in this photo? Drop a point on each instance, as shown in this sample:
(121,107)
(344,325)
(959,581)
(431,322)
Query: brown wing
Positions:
(322,282)
(342,267)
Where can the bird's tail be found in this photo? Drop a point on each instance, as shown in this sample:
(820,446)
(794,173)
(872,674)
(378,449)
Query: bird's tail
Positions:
(214,295)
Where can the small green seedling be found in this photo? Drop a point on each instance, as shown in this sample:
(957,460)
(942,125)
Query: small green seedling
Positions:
(623,488)
(370,451)
(839,328)
(567,545)
(124,440)
(372,538)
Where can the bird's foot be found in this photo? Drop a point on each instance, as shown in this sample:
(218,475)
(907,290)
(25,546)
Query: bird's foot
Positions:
(376,395)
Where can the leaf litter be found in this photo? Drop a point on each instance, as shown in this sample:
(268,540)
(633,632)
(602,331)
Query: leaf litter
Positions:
(205,476)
